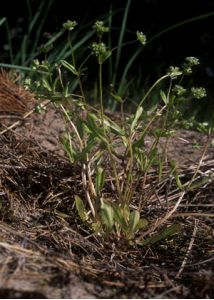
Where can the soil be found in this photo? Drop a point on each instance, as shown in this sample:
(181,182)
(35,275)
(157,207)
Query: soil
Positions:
(46,251)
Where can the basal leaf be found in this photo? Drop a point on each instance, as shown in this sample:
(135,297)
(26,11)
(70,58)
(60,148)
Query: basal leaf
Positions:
(164,97)
(114,127)
(119,218)
(70,151)
(107,215)
(160,236)
(142,224)
(100,179)
(133,221)
(81,208)
(136,117)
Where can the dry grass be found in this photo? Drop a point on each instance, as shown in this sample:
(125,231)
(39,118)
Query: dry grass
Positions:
(14,99)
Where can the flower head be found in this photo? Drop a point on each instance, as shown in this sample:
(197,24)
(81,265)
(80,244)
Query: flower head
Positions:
(198,92)
(69,25)
(141,37)
(100,28)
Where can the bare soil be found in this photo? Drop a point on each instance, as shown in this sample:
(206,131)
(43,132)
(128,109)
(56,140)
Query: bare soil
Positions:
(45,250)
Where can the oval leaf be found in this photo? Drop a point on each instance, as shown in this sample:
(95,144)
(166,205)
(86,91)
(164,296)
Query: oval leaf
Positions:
(136,117)
(133,221)
(100,179)
(107,215)
(81,208)
(160,236)
(164,97)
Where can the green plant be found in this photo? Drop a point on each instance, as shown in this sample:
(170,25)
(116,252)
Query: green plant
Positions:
(112,155)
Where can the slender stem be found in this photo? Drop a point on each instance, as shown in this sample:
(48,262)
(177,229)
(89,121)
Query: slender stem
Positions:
(74,64)
(72,50)
(73,126)
(101,95)
(86,174)
(129,169)
(151,88)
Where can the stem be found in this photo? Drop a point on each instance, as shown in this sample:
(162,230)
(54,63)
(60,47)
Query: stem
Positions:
(85,169)
(108,145)
(129,169)
(115,173)
(101,95)
(72,50)
(74,64)
(151,88)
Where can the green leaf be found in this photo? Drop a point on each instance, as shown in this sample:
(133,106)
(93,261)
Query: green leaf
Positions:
(96,227)
(119,218)
(133,221)
(81,208)
(142,224)
(164,97)
(46,84)
(61,214)
(126,212)
(107,215)
(94,128)
(100,179)
(174,171)
(136,117)
(80,127)
(70,151)
(86,150)
(114,127)
(117,98)
(175,228)
(69,67)
(2,20)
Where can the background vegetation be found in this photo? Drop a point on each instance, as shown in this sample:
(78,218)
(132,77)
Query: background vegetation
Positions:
(174,30)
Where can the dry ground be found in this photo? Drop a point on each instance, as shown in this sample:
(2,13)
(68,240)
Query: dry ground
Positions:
(45,251)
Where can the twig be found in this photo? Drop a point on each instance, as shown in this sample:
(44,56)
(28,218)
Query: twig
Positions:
(5,166)
(188,250)
(201,262)
(194,214)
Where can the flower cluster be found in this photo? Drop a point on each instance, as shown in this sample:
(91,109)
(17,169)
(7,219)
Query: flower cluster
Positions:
(190,62)
(174,72)
(69,25)
(100,28)
(178,90)
(198,92)
(42,66)
(141,37)
(100,51)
